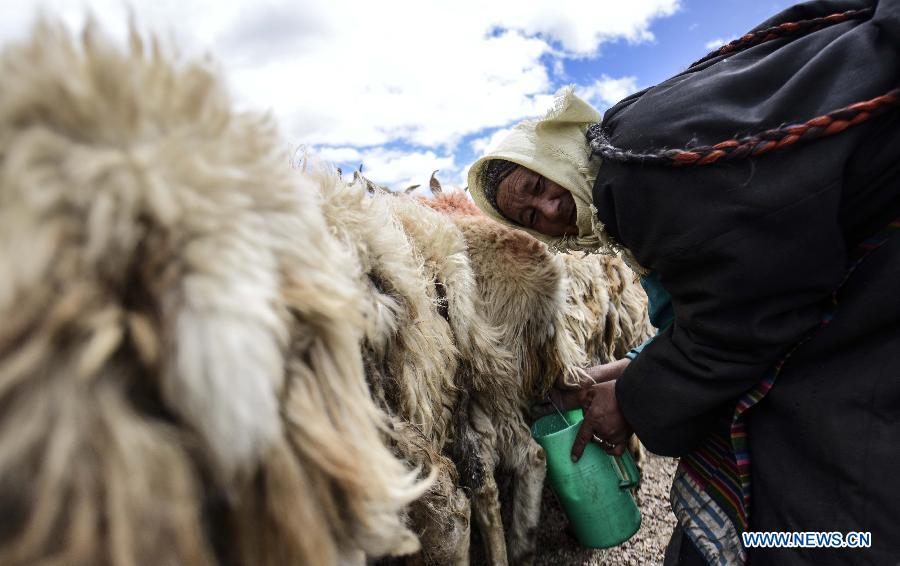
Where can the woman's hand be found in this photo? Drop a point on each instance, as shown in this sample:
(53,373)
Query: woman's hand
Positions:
(596,395)
(597,374)
(603,421)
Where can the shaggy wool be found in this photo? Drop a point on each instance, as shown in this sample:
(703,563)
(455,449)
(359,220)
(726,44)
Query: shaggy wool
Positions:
(180,376)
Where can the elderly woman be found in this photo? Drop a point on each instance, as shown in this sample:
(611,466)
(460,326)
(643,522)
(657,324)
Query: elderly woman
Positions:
(755,194)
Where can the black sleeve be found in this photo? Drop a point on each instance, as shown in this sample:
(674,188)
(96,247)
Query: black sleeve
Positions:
(813,9)
(751,250)
(740,300)
(887,18)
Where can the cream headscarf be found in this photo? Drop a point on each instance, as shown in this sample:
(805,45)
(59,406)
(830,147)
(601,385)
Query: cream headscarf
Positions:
(555,147)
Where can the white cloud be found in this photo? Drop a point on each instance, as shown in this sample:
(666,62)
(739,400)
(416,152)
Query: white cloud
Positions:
(193,26)
(484,145)
(339,154)
(462,179)
(399,169)
(346,73)
(579,26)
(350,93)
(429,73)
(717,43)
(393,168)
(606,91)
(559,69)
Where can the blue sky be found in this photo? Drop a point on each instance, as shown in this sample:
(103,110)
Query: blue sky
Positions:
(404,87)
(695,27)
(679,39)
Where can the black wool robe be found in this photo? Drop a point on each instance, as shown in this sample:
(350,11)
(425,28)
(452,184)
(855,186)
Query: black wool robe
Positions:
(750,252)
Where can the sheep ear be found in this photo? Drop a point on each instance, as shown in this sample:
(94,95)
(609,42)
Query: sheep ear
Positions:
(434,183)
(411,188)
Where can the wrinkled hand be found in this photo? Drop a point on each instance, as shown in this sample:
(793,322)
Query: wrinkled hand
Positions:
(603,420)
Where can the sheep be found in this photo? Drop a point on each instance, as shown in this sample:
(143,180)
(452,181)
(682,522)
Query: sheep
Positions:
(419,271)
(180,372)
(410,356)
(487,370)
(606,314)
(560,313)
(607,307)
(522,290)
(210,358)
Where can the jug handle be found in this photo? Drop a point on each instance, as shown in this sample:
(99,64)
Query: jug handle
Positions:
(629,476)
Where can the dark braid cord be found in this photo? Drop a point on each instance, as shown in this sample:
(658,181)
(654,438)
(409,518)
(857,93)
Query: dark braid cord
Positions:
(754,145)
(787,29)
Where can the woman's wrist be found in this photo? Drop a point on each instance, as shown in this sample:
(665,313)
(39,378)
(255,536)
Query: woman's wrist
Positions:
(607,372)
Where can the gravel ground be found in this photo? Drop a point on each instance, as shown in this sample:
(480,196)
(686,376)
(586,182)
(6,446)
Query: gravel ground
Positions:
(556,547)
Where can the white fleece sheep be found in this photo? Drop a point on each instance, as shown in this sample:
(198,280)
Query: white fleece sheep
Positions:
(557,314)
(179,359)
(209,357)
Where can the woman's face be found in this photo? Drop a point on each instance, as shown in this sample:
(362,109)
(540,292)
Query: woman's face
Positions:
(538,203)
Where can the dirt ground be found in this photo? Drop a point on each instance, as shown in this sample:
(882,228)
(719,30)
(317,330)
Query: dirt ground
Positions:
(556,547)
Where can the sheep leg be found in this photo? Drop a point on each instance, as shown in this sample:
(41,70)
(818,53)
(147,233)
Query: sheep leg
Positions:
(486,507)
(442,517)
(455,537)
(528,484)
(485,497)
(461,557)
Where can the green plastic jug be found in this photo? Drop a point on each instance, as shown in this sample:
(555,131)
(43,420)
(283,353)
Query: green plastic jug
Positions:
(595,492)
